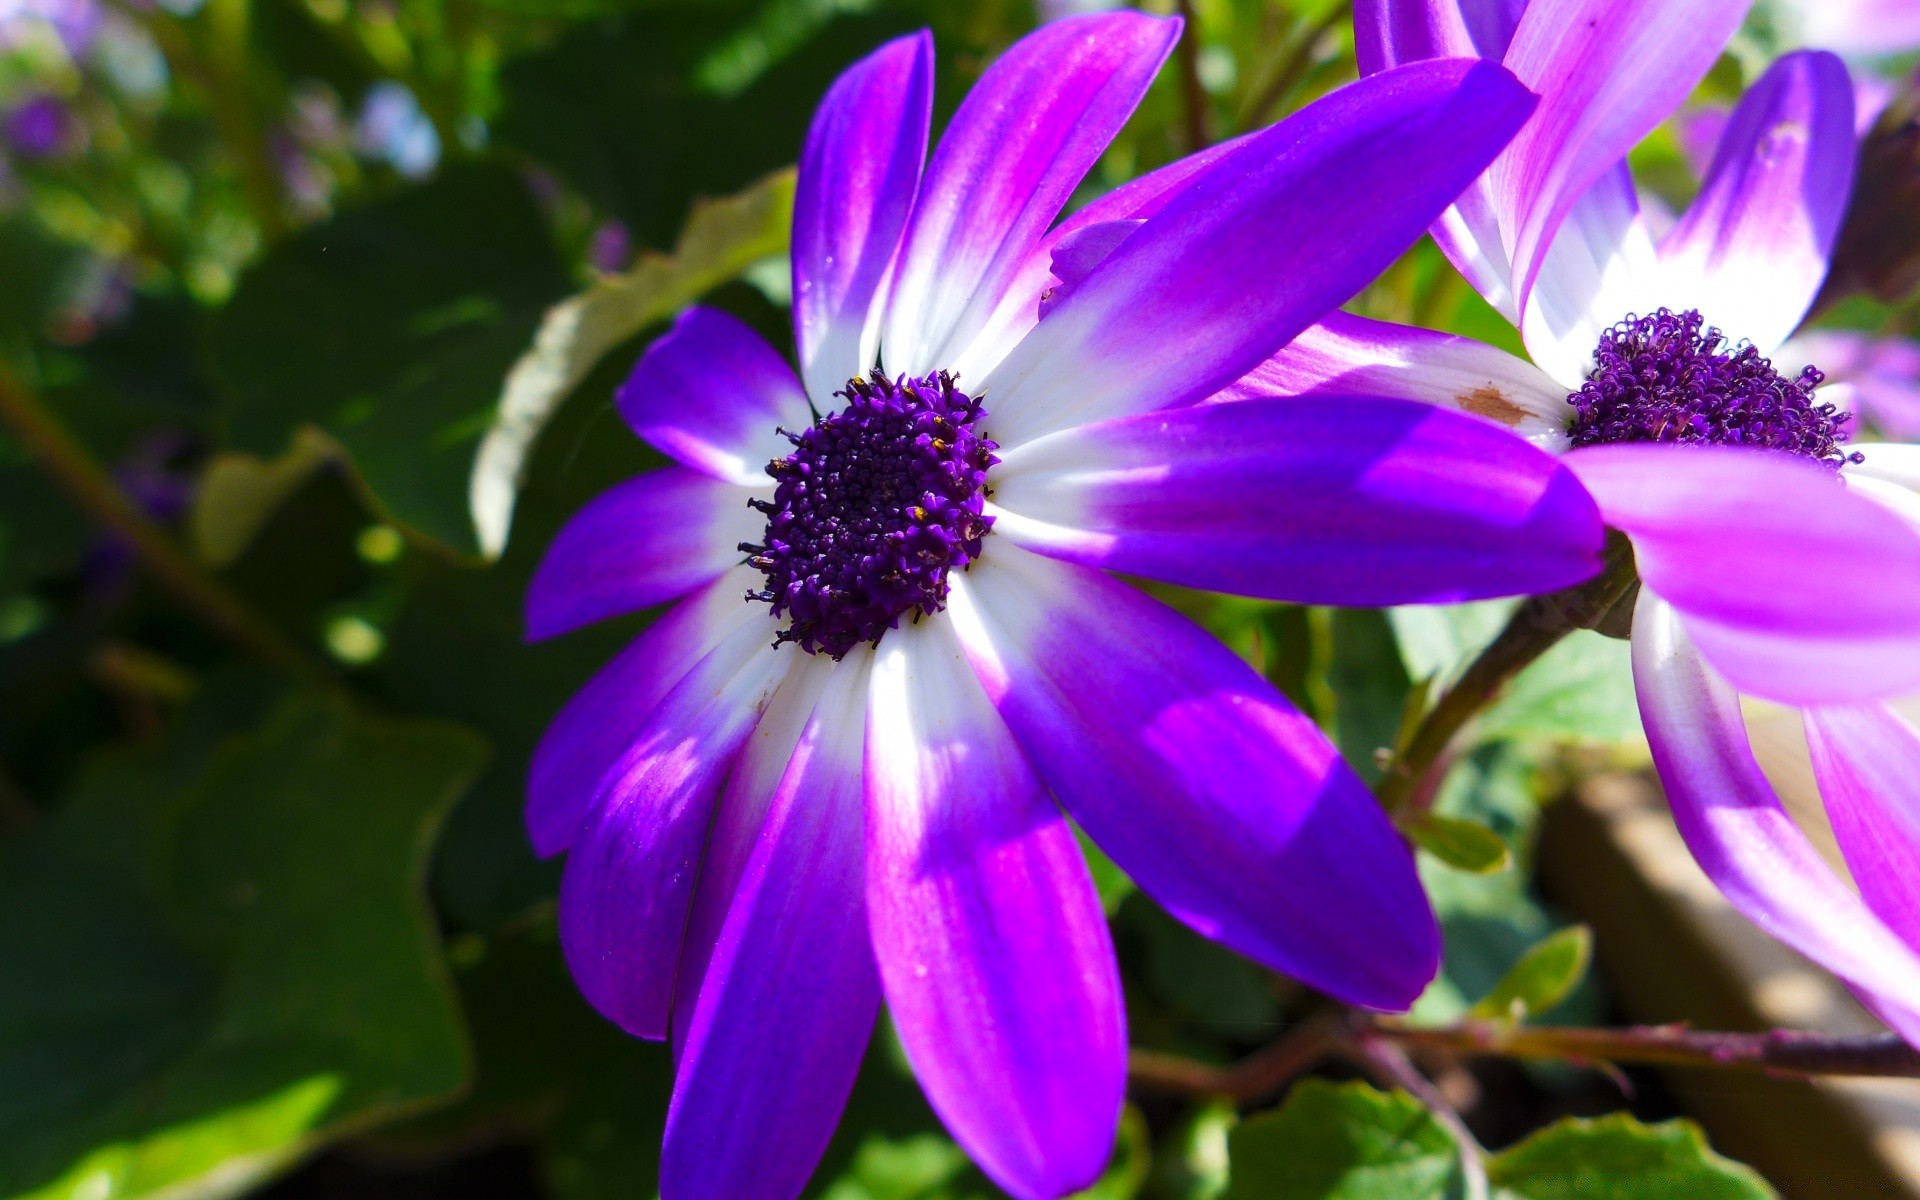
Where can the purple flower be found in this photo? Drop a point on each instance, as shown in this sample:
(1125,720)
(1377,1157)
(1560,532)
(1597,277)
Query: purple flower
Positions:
(836,771)
(39,127)
(1775,560)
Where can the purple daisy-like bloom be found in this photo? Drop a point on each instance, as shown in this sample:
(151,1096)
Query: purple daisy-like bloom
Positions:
(836,771)
(1775,560)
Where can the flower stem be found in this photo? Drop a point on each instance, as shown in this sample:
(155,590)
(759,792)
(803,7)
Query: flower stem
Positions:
(1389,1065)
(1196,95)
(1778,1051)
(90,486)
(1535,628)
(1299,61)
(1261,1074)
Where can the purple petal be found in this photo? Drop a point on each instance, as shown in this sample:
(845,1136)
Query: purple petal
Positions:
(1352,356)
(1026,296)
(1608,72)
(1271,239)
(1741,835)
(858,173)
(998,969)
(652,538)
(1202,782)
(1794,587)
(710,393)
(790,995)
(1867,760)
(605,718)
(1752,250)
(1388,33)
(629,878)
(1024,137)
(1361,502)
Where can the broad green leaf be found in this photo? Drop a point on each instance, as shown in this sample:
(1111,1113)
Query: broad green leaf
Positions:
(240,493)
(390,327)
(1544,976)
(1342,1142)
(216,955)
(722,238)
(1581,690)
(1618,1158)
(1369,685)
(1463,845)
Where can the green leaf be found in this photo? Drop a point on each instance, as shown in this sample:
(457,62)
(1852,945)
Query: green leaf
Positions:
(1342,1142)
(722,238)
(1463,845)
(240,493)
(217,954)
(390,327)
(1618,1158)
(1544,976)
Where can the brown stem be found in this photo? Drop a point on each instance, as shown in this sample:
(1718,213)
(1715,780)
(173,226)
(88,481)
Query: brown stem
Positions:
(1261,1074)
(89,485)
(1536,627)
(1298,62)
(1196,96)
(1779,1051)
(1389,1065)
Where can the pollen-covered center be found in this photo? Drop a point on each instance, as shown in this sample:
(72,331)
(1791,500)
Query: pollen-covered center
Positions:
(1671,377)
(877,502)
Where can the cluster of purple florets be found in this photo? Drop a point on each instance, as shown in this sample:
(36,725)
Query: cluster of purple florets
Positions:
(877,502)
(1671,377)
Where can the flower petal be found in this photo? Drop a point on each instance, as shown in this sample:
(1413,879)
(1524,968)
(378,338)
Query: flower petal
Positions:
(789,998)
(1225,803)
(1794,587)
(1023,139)
(1601,266)
(858,174)
(652,538)
(992,945)
(606,717)
(629,878)
(710,393)
(1345,355)
(1867,760)
(1273,238)
(1608,72)
(1752,250)
(1362,502)
(1387,33)
(1740,834)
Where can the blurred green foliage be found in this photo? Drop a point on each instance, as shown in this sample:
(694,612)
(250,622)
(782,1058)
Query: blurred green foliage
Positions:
(338,291)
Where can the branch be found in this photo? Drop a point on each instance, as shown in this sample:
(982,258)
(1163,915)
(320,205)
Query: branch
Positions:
(90,486)
(1261,1074)
(1776,1052)
(1536,627)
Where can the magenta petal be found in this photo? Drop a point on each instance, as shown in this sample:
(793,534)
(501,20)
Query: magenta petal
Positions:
(1220,799)
(710,393)
(1755,243)
(1608,72)
(1867,760)
(605,718)
(991,941)
(1389,33)
(1794,587)
(629,878)
(1344,355)
(788,1000)
(1025,136)
(1741,835)
(1271,239)
(1362,502)
(652,538)
(858,173)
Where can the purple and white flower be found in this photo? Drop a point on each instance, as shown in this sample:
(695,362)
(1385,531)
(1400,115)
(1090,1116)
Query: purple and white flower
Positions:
(1851,27)
(1775,560)
(835,771)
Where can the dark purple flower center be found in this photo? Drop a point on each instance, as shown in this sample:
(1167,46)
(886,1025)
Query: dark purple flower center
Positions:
(877,502)
(1671,377)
